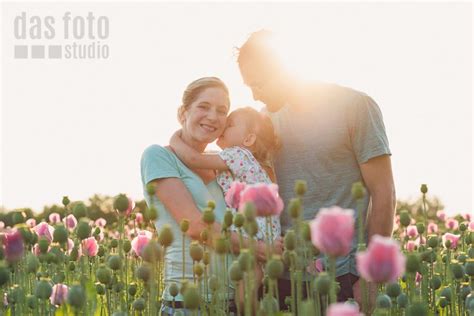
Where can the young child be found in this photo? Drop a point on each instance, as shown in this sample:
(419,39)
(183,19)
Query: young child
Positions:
(248,144)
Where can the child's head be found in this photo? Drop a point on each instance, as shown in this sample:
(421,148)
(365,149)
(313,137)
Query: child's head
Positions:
(253,130)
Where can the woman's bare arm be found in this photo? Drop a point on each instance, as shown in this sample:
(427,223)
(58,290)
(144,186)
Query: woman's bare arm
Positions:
(194,159)
(180,205)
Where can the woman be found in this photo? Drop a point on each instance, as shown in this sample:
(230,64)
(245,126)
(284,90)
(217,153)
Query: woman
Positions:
(182,193)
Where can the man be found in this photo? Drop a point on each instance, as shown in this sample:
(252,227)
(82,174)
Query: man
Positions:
(331,137)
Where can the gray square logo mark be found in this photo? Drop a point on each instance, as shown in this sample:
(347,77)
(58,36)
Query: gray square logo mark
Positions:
(54,51)
(21,51)
(37,51)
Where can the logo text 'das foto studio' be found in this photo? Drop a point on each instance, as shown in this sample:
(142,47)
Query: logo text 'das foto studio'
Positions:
(87,35)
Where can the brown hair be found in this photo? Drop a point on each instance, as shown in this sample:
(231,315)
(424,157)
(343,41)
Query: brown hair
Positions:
(266,143)
(193,90)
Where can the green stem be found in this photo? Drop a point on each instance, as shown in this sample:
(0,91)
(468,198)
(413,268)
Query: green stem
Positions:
(332,271)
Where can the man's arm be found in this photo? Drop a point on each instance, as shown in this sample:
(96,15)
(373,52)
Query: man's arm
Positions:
(194,159)
(378,178)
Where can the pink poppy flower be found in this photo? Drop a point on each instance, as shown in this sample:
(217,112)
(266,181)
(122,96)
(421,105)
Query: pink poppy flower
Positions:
(45,230)
(418,278)
(441,215)
(232,197)
(412,232)
(410,246)
(54,218)
(454,239)
(31,222)
(452,224)
(90,247)
(265,198)
(343,309)
(139,242)
(332,231)
(14,248)
(139,218)
(467,216)
(131,206)
(432,228)
(471,226)
(100,222)
(59,294)
(382,261)
(70,221)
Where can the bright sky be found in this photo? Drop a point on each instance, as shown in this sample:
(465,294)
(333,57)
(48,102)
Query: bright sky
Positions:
(78,127)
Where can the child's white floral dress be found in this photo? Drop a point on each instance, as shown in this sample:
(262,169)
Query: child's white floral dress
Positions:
(245,168)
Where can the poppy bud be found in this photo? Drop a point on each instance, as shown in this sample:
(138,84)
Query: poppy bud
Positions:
(383,301)
(60,234)
(300,187)
(393,290)
(184,225)
(208,216)
(405,218)
(151,189)
(239,220)
(43,290)
(228,218)
(104,275)
(139,304)
(424,188)
(196,251)
(294,208)
(198,269)
(114,262)
(235,272)
(83,230)
(412,263)
(79,210)
(166,236)
(66,201)
(358,190)
(274,268)
(213,283)
(173,289)
(191,297)
(220,245)
(402,300)
(143,273)
(121,203)
(211,204)
(290,239)
(323,283)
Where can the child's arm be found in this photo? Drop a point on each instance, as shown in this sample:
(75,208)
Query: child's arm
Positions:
(194,159)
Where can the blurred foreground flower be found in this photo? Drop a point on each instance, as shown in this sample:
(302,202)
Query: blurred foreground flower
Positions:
(332,231)
(59,294)
(382,262)
(13,246)
(232,196)
(343,309)
(450,240)
(265,198)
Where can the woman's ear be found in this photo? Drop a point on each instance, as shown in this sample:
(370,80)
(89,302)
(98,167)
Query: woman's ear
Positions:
(250,140)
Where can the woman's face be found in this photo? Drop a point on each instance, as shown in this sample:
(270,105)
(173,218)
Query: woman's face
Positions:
(205,118)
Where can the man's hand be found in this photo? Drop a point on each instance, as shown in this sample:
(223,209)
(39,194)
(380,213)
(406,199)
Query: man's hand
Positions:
(175,138)
(261,251)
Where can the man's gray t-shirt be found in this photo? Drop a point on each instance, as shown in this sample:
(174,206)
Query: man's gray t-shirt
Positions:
(324,139)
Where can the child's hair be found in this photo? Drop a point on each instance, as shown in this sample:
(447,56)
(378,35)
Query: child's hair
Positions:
(266,143)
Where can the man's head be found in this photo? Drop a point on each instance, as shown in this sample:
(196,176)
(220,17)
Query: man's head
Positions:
(262,71)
